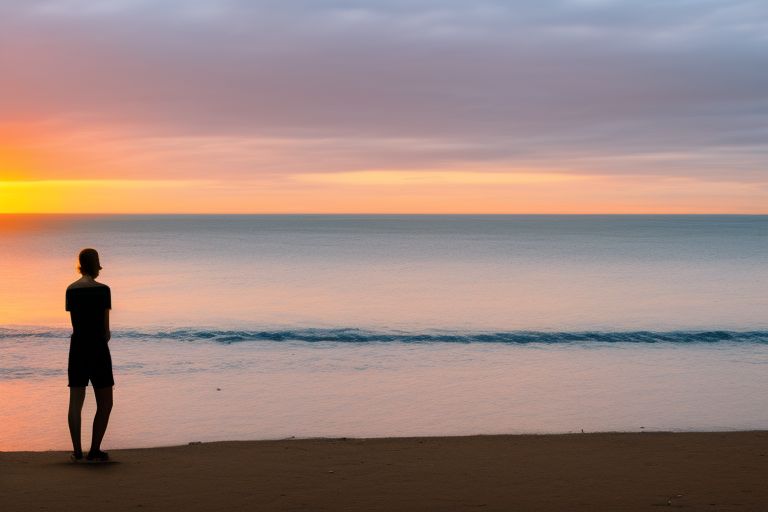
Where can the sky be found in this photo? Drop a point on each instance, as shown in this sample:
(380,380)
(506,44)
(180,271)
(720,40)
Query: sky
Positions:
(384,106)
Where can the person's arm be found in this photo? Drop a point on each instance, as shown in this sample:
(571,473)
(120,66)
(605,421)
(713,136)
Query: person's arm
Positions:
(67,307)
(108,306)
(106,325)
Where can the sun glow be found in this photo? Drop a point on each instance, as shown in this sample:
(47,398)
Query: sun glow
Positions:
(85,196)
(379,192)
(17,161)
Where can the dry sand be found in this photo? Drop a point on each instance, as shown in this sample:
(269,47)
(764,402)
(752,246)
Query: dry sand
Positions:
(594,472)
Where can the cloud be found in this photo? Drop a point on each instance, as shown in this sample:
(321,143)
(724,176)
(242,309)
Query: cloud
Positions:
(673,86)
(435,177)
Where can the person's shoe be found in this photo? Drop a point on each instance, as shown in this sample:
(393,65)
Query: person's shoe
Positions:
(97,456)
(76,457)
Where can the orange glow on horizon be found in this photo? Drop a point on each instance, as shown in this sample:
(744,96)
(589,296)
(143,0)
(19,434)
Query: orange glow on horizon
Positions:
(31,151)
(462,193)
(48,168)
(17,160)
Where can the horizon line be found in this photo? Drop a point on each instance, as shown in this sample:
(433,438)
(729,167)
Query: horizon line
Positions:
(230,214)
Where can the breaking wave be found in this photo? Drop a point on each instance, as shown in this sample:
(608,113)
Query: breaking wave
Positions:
(351,335)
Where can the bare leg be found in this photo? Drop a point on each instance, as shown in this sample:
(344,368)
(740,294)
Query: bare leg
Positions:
(76,399)
(100,421)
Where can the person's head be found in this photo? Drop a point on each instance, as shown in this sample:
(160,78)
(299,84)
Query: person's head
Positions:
(89,263)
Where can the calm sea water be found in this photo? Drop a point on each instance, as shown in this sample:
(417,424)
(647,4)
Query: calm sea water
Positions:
(254,327)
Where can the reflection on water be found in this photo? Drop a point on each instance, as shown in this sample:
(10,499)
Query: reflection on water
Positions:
(177,392)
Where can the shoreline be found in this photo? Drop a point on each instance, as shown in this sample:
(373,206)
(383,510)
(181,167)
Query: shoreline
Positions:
(577,471)
(403,438)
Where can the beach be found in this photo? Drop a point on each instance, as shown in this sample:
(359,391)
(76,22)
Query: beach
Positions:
(266,340)
(605,471)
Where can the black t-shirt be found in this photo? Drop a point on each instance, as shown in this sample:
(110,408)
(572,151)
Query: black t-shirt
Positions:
(86,305)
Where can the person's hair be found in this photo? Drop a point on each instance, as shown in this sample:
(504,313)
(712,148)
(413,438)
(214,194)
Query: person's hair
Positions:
(89,262)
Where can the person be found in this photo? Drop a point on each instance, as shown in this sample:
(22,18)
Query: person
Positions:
(89,303)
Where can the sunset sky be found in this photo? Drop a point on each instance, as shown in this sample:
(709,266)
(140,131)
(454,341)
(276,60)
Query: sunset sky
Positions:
(413,106)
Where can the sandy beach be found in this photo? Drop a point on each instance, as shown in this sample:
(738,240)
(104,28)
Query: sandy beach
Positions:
(604,471)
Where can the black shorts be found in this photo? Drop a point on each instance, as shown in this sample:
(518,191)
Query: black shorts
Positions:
(90,361)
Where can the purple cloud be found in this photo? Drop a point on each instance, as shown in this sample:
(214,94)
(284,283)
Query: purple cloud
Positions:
(673,86)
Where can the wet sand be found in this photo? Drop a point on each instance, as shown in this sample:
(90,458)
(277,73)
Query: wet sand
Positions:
(573,472)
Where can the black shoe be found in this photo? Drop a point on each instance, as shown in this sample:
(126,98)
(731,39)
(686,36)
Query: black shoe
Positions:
(97,456)
(76,457)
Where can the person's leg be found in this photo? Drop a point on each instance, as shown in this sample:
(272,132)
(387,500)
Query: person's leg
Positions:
(100,421)
(76,399)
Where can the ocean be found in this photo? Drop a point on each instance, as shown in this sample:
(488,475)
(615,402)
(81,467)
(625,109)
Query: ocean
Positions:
(272,326)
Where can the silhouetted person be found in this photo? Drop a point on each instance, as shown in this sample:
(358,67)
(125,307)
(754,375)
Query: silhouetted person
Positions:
(88,303)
